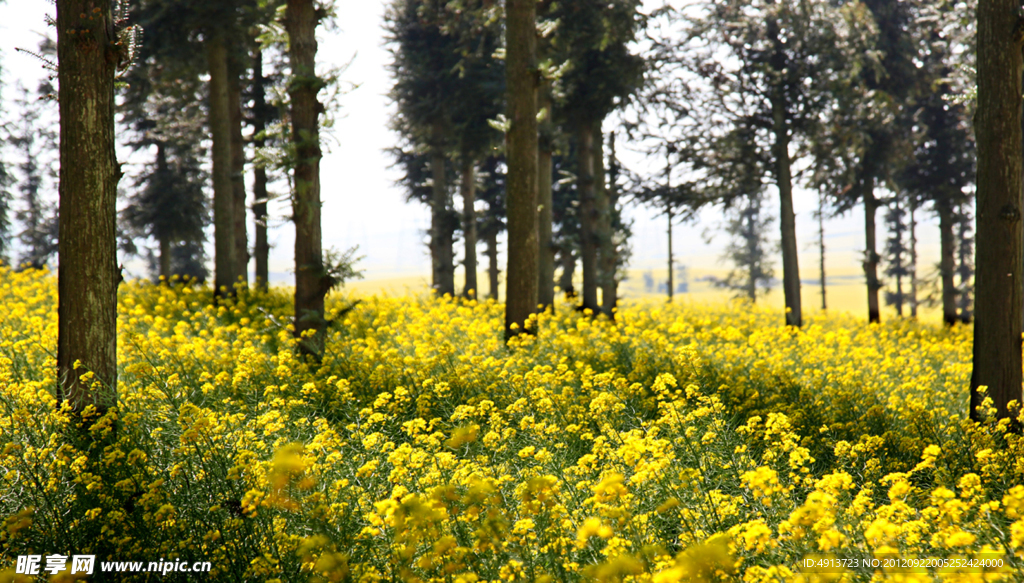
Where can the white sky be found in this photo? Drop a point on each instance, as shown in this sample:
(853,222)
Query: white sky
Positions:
(363,207)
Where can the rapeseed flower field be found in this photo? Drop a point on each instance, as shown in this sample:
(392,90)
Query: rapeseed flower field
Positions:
(683,443)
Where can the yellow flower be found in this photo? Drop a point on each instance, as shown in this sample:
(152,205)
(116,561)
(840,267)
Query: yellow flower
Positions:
(593,527)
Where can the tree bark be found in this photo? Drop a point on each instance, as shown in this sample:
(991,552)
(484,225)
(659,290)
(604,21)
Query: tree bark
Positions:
(163,238)
(947,243)
(568,261)
(223,193)
(671,259)
(492,265)
(240,213)
(87,277)
(611,294)
(165,259)
(964,299)
(311,280)
(259,187)
(751,236)
(913,259)
(821,248)
(997,324)
(546,265)
(522,79)
(588,212)
(790,261)
(668,213)
(468,188)
(605,240)
(441,231)
(784,181)
(871,252)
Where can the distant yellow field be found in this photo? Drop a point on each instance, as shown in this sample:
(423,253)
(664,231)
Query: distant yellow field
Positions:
(845,291)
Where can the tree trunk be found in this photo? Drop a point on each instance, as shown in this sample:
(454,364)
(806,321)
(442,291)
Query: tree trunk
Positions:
(162,236)
(469,226)
(913,260)
(752,236)
(259,187)
(997,318)
(898,255)
(568,261)
(605,241)
(223,193)
(546,265)
(784,181)
(588,212)
(610,294)
(311,280)
(238,171)
(821,247)
(964,295)
(521,79)
(165,259)
(671,260)
(87,277)
(441,232)
(947,243)
(668,213)
(492,265)
(790,261)
(871,252)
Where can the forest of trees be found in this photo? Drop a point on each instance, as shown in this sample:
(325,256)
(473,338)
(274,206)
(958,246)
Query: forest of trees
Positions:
(519,108)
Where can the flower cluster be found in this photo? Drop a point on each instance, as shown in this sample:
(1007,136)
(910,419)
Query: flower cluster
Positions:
(678,444)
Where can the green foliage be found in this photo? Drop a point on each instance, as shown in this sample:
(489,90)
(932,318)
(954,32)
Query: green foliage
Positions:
(444,53)
(36,141)
(33,136)
(749,249)
(425,63)
(340,267)
(592,38)
(168,204)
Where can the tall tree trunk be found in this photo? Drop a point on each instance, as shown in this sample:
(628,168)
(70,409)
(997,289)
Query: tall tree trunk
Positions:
(790,260)
(311,280)
(521,79)
(87,276)
(588,212)
(898,255)
(492,264)
(947,260)
(668,213)
(997,324)
(163,238)
(223,193)
(235,72)
(871,252)
(784,181)
(259,187)
(899,263)
(546,249)
(469,225)
(568,261)
(441,232)
(671,260)
(165,259)
(913,259)
(605,242)
(964,299)
(751,235)
(821,247)
(610,292)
